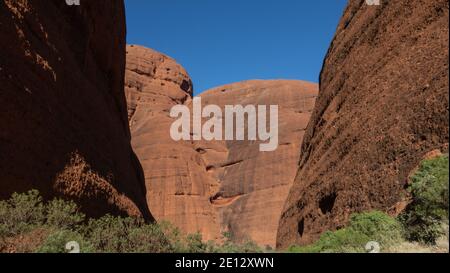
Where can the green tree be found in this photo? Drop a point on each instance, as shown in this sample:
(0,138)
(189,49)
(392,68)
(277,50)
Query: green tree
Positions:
(424,217)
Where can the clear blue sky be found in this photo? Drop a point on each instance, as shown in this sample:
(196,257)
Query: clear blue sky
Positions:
(225,41)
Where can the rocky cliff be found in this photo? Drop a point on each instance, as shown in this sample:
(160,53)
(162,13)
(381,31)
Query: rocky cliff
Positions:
(383,104)
(178,187)
(64,115)
(213,186)
(253,185)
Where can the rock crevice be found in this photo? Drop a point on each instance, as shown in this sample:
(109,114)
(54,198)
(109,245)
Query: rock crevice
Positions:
(214,186)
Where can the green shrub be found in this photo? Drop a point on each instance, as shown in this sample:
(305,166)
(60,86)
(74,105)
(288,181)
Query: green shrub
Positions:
(176,238)
(377,226)
(230,246)
(248,246)
(60,242)
(363,228)
(429,209)
(21,213)
(63,214)
(341,241)
(48,227)
(111,234)
(195,244)
(148,238)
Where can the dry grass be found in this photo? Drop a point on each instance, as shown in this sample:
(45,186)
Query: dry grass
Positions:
(442,246)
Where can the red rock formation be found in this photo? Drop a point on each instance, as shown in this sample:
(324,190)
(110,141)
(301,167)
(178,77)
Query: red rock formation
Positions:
(253,185)
(383,105)
(178,187)
(64,116)
(213,186)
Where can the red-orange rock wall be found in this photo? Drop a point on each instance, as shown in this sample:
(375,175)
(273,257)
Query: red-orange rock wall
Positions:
(64,128)
(382,105)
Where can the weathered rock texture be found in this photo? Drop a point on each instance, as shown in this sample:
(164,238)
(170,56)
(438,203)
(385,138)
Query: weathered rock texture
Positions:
(213,186)
(178,187)
(64,128)
(253,185)
(383,104)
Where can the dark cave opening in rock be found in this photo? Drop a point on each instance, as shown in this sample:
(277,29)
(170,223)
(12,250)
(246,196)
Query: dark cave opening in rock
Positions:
(301,227)
(326,203)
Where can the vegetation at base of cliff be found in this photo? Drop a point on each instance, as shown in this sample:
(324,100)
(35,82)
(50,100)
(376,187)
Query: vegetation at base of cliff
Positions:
(424,221)
(28,224)
(363,228)
(424,217)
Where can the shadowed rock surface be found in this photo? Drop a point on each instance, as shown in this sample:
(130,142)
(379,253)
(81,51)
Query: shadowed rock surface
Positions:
(382,105)
(213,186)
(64,128)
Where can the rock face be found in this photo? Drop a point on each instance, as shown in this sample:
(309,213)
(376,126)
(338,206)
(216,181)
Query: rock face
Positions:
(382,105)
(64,114)
(253,185)
(178,187)
(213,186)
